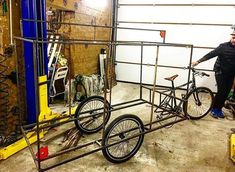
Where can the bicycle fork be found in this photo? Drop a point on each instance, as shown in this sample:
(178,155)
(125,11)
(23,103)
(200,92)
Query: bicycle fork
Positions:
(196,98)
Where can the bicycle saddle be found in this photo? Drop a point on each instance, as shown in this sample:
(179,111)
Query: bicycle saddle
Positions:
(171,78)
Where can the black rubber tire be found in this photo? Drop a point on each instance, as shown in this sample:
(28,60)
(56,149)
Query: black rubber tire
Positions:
(114,125)
(207,98)
(82,108)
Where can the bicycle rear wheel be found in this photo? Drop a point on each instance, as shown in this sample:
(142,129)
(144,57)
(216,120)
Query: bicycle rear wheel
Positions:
(199,103)
(92,109)
(121,128)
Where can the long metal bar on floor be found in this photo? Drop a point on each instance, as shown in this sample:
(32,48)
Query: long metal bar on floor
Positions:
(29,147)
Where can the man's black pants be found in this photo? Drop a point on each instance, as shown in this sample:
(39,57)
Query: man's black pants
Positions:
(224,85)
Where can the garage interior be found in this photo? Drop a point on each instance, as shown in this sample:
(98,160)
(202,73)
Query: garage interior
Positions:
(61,59)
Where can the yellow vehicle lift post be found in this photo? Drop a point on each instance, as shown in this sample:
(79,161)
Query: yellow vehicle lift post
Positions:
(232,145)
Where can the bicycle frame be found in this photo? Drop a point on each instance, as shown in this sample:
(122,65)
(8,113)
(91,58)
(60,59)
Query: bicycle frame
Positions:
(172,93)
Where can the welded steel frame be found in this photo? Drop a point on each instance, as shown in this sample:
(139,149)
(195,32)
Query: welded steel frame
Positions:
(39,126)
(113,43)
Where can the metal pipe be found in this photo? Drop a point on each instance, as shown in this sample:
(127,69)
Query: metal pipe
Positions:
(154,86)
(41,37)
(141,70)
(70,81)
(189,72)
(23,39)
(87,25)
(110,54)
(177,5)
(152,65)
(176,23)
(36,92)
(120,43)
(114,30)
(73,119)
(29,147)
(203,47)
(132,101)
(11,30)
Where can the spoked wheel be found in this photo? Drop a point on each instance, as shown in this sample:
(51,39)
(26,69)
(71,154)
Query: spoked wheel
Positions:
(92,109)
(123,127)
(199,103)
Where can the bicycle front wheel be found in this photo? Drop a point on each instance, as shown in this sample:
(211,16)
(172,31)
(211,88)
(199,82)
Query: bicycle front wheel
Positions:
(120,148)
(199,103)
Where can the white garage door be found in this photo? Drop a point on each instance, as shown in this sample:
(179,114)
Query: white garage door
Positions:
(186,22)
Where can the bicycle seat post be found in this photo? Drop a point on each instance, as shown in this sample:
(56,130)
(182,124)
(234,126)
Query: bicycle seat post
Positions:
(173,86)
(173,91)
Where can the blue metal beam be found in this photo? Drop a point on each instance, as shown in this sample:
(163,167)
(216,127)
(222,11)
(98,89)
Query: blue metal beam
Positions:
(35,10)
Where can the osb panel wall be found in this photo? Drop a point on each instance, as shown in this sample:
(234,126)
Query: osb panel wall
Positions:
(3,32)
(84,58)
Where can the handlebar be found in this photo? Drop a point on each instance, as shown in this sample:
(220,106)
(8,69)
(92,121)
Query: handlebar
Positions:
(195,72)
(205,74)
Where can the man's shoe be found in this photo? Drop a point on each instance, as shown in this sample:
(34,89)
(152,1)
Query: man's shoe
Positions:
(217,113)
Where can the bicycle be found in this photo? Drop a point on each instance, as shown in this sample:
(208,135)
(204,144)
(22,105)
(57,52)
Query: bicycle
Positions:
(195,104)
(124,136)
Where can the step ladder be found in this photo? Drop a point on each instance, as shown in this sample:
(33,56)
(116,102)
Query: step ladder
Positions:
(57,76)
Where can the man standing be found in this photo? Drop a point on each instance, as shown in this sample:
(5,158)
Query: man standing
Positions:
(224,73)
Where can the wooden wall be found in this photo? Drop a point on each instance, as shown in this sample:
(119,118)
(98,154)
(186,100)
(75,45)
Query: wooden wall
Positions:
(9,113)
(84,58)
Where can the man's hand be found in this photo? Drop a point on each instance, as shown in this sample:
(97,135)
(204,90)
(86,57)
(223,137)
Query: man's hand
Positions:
(195,63)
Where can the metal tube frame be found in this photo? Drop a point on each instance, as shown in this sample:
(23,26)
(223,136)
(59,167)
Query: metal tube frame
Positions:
(47,124)
(114,108)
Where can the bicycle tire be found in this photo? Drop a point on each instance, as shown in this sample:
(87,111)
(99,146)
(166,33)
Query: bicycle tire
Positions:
(90,105)
(125,148)
(206,98)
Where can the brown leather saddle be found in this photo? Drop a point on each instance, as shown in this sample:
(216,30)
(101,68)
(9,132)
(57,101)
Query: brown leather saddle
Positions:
(171,78)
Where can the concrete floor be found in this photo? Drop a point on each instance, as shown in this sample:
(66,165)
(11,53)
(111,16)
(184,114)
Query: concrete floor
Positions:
(188,146)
